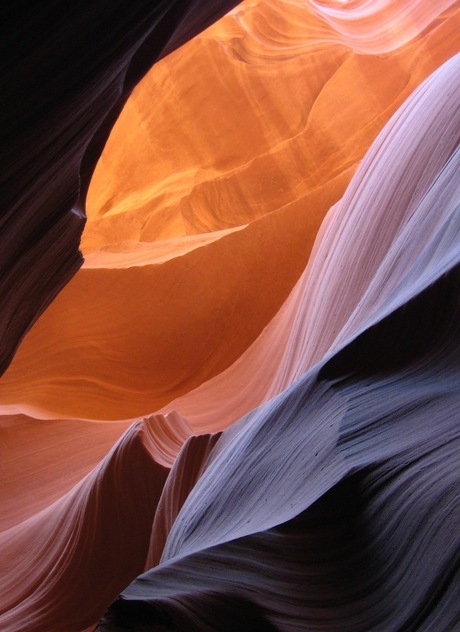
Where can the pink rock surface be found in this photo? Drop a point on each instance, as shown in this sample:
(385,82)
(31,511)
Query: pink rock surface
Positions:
(297,468)
(334,505)
(186,202)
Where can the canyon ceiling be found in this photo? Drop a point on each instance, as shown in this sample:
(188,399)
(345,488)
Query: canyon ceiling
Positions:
(230,316)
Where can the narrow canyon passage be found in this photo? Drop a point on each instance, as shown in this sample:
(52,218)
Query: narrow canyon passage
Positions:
(230,271)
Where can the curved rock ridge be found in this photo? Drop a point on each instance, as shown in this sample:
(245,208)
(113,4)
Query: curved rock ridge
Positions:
(335,505)
(177,167)
(346,282)
(187,469)
(276,81)
(44,459)
(61,566)
(380,26)
(61,95)
(242,414)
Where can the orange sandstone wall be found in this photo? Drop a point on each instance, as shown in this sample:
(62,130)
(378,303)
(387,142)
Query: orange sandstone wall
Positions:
(221,168)
(257,366)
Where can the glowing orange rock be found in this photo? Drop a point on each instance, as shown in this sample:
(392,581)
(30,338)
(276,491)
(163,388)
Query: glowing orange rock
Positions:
(178,307)
(254,129)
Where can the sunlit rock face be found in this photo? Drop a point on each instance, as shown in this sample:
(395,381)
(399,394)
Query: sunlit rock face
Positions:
(265,326)
(221,167)
(61,94)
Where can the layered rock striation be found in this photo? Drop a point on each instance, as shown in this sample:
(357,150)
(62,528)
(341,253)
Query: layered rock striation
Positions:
(242,412)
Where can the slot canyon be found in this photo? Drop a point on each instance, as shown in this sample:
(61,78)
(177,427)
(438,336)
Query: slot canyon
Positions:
(230,281)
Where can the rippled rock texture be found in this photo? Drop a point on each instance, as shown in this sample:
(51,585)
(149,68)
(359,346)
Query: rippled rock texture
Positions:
(242,412)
